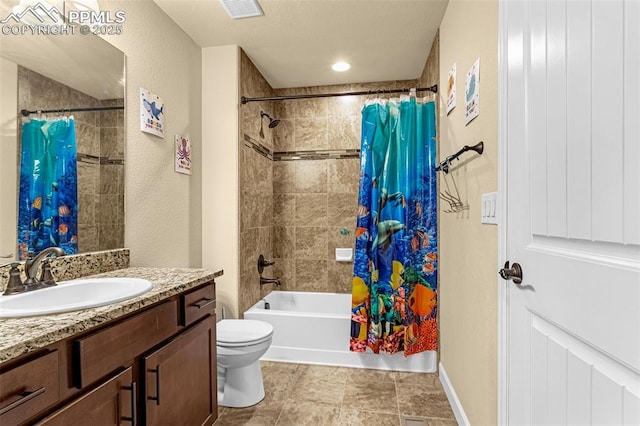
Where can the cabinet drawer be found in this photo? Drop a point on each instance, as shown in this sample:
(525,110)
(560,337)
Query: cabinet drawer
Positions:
(198,303)
(111,403)
(100,353)
(28,389)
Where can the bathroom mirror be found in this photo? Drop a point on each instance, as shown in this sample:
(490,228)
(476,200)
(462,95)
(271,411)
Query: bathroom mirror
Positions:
(64,72)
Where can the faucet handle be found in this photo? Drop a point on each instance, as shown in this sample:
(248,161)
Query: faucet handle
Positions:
(46,277)
(15,284)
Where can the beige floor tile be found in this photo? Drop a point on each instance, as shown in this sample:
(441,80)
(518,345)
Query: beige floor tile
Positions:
(328,390)
(414,400)
(370,396)
(309,413)
(441,422)
(278,387)
(422,379)
(360,375)
(258,415)
(324,371)
(272,367)
(367,418)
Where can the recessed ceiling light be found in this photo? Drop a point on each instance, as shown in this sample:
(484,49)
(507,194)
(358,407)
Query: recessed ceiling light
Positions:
(340,66)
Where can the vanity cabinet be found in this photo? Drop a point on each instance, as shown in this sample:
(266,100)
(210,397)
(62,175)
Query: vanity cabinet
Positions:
(111,403)
(180,378)
(156,366)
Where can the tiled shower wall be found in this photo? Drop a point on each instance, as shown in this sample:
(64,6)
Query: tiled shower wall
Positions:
(256,186)
(99,138)
(297,212)
(315,201)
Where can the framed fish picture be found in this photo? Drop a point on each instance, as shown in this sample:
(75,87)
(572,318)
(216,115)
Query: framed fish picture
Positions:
(183,155)
(151,113)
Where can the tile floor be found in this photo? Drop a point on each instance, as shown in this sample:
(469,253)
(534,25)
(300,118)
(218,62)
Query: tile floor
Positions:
(298,395)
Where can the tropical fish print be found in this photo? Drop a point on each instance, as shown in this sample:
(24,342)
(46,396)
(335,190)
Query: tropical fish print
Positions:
(394,291)
(47,197)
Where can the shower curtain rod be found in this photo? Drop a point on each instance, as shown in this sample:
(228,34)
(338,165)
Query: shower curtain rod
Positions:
(433,89)
(26,112)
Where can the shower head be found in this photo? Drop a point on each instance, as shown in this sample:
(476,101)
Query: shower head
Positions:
(273,122)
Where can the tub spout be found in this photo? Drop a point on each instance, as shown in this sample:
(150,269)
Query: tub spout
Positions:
(275,281)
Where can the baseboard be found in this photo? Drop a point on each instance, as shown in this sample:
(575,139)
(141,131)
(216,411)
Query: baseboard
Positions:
(456,405)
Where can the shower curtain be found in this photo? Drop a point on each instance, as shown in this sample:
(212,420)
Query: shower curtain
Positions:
(48,196)
(394,288)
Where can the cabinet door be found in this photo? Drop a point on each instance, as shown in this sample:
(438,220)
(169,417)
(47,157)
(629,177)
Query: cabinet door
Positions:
(180,384)
(112,403)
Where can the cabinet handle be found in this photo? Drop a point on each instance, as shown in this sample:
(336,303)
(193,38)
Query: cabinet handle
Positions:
(134,411)
(25,397)
(203,303)
(157,397)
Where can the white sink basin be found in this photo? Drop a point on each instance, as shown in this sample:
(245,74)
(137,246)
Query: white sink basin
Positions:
(73,295)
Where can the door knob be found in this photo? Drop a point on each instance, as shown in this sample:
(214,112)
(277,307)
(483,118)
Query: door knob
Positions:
(514,273)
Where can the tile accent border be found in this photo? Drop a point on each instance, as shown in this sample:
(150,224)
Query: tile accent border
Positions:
(249,142)
(94,159)
(326,154)
(316,155)
(452,396)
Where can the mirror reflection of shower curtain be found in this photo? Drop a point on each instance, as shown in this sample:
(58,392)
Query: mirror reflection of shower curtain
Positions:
(48,196)
(394,290)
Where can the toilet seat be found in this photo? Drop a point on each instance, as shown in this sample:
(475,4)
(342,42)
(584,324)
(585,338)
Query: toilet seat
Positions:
(236,332)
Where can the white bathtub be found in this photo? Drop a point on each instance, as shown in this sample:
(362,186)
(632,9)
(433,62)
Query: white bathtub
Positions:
(313,328)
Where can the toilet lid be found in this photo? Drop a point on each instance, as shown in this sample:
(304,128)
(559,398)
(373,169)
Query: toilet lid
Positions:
(237,331)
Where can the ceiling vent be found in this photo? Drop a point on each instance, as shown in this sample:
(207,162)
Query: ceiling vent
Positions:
(238,9)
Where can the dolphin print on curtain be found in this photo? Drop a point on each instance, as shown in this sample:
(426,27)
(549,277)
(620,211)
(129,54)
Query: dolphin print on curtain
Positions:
(48,196)
(394,290)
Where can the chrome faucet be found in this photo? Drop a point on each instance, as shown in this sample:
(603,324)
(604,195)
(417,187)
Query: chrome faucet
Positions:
(31,269)
(275,281)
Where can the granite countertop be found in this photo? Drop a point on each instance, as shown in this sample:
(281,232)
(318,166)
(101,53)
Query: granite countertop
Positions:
(22,335)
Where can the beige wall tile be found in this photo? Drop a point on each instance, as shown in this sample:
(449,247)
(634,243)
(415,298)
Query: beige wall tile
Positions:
(342,209)
(284,136)
(311,243)
(343,175)
(311,210)
(345,106)
(311,133)
(311,275)
(284,240)
(285,270)
(284,209)
(344,132)
(311,108)
(284,176)
(87,209)
(311,176)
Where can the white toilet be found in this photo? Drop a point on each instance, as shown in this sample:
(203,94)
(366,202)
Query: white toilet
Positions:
(240,344)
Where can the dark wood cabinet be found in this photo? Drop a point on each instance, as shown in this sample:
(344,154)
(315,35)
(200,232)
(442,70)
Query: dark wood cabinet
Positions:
(180,379)
(156,366)
(29,388)
(111,403)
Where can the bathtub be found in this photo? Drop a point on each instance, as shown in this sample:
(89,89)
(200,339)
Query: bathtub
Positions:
(314,328)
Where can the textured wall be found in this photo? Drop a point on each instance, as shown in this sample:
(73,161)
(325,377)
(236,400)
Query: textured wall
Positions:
(468,249)
(256,185)
(98,135)
(8,158)
(220,189)
(163,208)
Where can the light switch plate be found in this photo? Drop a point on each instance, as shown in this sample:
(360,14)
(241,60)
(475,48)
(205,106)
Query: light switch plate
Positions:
(490,208)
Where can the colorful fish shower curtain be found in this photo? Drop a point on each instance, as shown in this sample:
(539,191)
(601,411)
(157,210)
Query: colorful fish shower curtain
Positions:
(394,292)
(48,197)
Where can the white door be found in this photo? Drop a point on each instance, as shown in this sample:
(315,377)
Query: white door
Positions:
(572,78)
